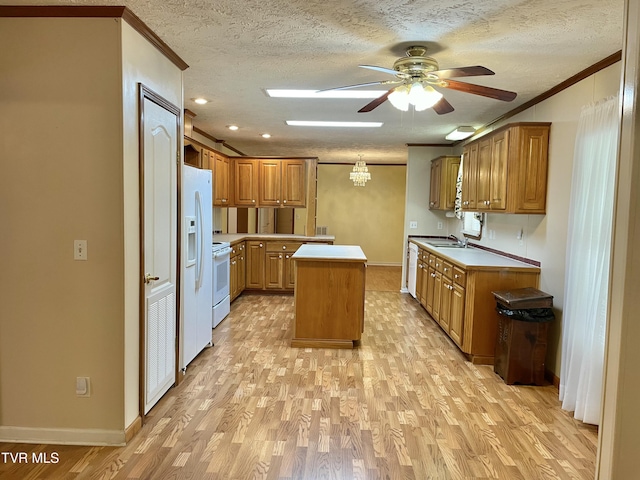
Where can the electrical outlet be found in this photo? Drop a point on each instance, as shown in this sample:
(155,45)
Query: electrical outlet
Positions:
(440,226)
(80,250)
(83,387)
(413,224)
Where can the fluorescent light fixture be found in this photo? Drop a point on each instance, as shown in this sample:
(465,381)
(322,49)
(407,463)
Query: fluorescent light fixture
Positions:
(201,101)
(461,133)
(284,93)
(314,123)
(232,127)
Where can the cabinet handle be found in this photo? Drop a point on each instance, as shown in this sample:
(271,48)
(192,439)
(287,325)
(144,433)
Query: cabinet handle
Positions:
(487,202)
(284,201)
(419,266)
(224,200)
(433,275)
(466,202)
(233,263)
(284,247)
(446,269)
(280,256)
(241,257)
(287,256)
(277,201)
(437,264)
(456,276)
(260,245)
(253,200)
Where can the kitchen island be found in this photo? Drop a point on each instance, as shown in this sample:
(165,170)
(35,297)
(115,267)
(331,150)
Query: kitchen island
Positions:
(329,296)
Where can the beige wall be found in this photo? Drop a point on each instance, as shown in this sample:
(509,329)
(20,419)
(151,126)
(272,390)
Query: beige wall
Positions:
(69,159)
(62,180)
(369,216)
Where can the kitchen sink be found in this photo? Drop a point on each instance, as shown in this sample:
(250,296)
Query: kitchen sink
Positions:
(453,245)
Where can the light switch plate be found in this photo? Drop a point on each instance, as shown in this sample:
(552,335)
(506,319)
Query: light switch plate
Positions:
(83,387)
(80,250)
(413,224)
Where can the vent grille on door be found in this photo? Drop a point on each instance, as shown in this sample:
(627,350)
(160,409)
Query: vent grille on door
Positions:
(321,230)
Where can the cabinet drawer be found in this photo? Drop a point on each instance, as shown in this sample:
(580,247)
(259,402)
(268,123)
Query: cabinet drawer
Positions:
(447,269)
(430,260)
(237,248)
(437,263)
(459,276)
(283,246)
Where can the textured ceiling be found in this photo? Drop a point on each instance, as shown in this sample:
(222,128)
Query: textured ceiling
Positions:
(238,48)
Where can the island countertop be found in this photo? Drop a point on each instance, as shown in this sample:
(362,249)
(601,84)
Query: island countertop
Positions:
(336,253)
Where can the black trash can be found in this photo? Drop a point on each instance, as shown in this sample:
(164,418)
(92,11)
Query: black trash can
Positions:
(521,347)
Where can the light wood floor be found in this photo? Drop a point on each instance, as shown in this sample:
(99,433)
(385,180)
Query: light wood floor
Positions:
(404,405)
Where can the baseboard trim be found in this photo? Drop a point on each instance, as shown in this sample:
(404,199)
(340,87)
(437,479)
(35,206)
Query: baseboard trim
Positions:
(133,429)
(62,436)
(552,378)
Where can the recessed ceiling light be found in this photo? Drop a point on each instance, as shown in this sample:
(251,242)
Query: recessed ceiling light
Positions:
(284,93)
(201,101)
(313,123)
(266,135)
(232,127)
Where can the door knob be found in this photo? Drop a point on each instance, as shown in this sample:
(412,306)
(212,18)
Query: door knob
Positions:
(148,278)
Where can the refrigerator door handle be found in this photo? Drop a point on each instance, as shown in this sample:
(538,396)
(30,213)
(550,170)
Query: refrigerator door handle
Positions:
(200,241)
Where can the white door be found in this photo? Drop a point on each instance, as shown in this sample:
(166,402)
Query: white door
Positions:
(160,150)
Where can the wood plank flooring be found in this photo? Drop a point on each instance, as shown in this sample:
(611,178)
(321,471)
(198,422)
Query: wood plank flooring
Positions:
(404,405)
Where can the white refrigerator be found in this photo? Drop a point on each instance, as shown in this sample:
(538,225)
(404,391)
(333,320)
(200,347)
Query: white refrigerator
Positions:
(196,282)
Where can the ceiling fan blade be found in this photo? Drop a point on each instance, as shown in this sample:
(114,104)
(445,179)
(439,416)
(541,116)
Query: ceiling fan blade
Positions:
(370,84)
(464,72)
(443,107)
(376,102)
(496,93)
(383,70)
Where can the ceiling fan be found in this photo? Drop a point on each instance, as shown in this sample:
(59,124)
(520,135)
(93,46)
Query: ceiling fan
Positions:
(416,75)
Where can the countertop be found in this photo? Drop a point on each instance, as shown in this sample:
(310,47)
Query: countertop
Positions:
(344,253)
(235,237)
(471,257)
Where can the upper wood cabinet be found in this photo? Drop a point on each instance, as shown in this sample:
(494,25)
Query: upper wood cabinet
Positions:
(282,183)
(444,174)
(246,182)
(506,170)
(221,180)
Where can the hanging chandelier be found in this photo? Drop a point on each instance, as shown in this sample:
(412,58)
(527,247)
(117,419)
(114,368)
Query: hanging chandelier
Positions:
(360,173)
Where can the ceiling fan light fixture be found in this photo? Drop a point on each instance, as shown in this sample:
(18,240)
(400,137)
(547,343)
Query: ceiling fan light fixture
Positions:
(423,96)
(461,133)
(399,98)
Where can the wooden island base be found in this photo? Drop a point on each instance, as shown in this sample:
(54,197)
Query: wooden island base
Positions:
(329,296)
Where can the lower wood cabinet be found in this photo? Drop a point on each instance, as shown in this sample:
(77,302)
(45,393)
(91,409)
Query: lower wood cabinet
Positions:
(459,299)
(238,272)
(263,265)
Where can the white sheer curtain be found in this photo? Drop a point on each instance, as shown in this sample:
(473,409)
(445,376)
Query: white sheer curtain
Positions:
(588,259)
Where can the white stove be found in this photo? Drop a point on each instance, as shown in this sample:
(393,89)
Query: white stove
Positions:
(221,252)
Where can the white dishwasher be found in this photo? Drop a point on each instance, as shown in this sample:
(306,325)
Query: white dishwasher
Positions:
(413,268)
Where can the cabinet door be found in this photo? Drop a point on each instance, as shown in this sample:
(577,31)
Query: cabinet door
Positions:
(457,314)
(233,277)
(445,304)
(437,295)
(255,264)
(241,272)
(470,177)
(483,187)
(449,180)
(273,270)
(270,186)
(434,188)
(293,182)
(221,181)
(424,284)
(246,182)
(289,272)
(531,183)
(419,277)
(498,181)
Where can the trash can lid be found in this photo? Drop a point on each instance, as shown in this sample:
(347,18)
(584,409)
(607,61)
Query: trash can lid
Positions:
(524,298)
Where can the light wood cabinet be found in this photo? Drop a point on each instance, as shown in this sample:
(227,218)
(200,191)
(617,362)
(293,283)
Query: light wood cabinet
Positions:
(506,171)
(221,180)
(282,183)
(278,266)
(246,182)
(459,299)
(444,174)
(255,262)
(237,270)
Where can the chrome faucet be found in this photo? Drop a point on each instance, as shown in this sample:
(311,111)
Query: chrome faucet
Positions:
(463,243)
